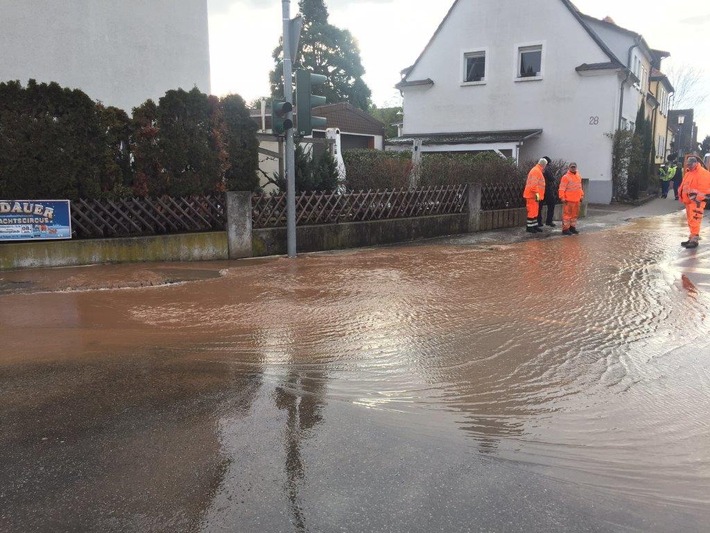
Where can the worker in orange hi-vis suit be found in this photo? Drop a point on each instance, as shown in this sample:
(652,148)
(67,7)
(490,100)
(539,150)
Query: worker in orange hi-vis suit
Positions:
(571,194)
(693,192)
(533,193)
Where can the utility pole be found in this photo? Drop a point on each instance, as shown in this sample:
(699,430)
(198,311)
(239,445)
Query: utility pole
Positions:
(290,153)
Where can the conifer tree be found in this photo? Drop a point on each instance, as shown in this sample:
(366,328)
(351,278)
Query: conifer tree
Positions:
(328,50)
(52,142)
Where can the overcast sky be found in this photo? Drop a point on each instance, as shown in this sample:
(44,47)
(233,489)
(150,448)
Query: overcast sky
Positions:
(392,34)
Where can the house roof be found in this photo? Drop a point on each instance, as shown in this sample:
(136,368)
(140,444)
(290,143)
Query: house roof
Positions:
(679,112)
(350,119)
(414,83)
(480,137)
(657,75)
(342,115)
(608,24)
(590,67)
(584,21)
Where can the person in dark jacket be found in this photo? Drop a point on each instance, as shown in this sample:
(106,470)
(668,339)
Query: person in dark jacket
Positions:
(677,178)
(550,196)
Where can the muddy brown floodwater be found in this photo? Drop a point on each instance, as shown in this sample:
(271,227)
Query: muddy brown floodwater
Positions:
(352,391)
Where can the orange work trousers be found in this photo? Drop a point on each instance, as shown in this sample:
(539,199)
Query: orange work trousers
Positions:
(570,213)
(533,207)
(694,213)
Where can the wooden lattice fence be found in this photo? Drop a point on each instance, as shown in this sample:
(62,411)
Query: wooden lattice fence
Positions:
(165,215)
(147,216)
(329,208)
(499,197)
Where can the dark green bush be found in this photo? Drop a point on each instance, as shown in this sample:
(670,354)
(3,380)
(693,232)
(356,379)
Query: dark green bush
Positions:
(52,142)
(459,168)
(58,143)
(375,169)
(313,173)
(372,169)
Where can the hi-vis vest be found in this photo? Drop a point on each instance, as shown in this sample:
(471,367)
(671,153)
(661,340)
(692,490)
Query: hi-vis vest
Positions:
(571,188)
(695,186)
(535,183)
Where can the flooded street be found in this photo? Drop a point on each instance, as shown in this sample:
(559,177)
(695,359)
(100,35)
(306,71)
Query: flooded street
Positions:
(554,384)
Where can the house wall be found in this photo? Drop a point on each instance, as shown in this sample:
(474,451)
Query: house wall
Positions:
(120,53)
(351,141)
(577,112)
(660,120)
(268,165)
(616,40)
(625,46)
(631,103)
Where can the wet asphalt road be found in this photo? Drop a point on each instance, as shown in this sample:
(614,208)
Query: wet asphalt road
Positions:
(339,394)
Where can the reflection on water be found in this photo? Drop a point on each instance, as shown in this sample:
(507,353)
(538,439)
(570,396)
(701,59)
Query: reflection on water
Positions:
(583,356)
(300,397)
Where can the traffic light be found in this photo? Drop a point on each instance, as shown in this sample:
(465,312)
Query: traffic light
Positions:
(279,122)
(305,101)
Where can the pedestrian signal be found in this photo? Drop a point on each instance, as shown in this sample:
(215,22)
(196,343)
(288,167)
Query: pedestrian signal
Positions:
(279,113)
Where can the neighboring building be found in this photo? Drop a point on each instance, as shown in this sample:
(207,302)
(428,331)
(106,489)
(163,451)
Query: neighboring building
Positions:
(120,53)
(357,130)
(659,101)
(526,79)
(685,129)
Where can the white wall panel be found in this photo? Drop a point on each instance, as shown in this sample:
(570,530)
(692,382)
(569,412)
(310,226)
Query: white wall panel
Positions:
(121,53)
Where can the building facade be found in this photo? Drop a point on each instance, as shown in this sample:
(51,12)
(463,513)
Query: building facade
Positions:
(527,78)
(660,92)
(348,128)
(120,53)
(682,123)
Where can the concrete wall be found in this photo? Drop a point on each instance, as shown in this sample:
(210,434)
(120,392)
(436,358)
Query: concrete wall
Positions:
(240,240)
(234,243)
(272,241)
(239,225)
(121,53)
(185,247)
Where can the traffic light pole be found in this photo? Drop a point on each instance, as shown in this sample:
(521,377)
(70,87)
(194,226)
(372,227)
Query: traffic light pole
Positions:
(290,149)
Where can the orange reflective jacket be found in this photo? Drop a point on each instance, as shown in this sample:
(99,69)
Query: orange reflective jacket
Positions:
(571,188)
(535,183)
(695,186)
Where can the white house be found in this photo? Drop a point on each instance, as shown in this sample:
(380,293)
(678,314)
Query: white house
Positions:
(120,53)
(348,128)
(527,78)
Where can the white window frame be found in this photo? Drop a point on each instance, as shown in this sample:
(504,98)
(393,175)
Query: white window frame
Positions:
(636,69)
(662,98)
(529,47)
(473,52)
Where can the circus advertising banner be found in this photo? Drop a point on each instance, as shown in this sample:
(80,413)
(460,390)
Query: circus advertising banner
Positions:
(30,220)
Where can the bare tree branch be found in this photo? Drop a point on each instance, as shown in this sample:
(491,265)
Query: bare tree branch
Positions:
(688,83)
